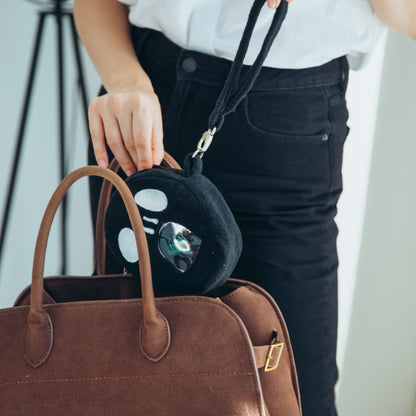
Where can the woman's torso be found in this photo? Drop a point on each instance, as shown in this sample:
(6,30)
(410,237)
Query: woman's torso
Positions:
(315,31)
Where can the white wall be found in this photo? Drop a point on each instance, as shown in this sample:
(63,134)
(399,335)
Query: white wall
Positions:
(379,367)
(39,170)
(362,98)
(388,189)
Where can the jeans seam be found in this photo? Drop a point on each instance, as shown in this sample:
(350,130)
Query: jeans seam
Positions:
(329,142)
(297,87)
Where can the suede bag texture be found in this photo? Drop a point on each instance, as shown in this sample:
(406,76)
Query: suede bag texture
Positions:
(104,345)
(195,203)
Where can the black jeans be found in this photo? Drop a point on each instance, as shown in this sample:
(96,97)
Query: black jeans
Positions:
(277,161)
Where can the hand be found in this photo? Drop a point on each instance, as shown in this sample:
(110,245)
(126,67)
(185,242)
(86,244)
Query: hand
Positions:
(131,122)
(274,4)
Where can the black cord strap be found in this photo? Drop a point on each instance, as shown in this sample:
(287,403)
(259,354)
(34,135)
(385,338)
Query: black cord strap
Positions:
(234,89)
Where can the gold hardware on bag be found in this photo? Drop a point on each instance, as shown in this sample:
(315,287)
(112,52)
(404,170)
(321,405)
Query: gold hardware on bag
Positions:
(270,356)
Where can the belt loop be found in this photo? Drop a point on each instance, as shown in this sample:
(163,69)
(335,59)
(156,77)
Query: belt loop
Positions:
(179,62)
(138,37)
(345,69)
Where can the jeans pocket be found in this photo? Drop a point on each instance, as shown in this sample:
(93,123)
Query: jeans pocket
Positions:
(288,112)
(303,130)
(287,141)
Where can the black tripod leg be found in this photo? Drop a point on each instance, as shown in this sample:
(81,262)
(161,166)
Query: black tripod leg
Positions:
(81,81)
(21,131)
(61,101)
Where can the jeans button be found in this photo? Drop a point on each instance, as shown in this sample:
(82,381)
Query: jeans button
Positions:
(189,65)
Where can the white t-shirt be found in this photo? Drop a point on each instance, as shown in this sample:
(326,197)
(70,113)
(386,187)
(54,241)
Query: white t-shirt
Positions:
(314,32)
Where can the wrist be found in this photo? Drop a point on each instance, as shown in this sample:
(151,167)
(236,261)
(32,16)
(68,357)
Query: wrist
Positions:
(124,82)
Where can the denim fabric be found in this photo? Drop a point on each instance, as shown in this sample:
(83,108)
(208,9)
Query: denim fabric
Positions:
(277,161)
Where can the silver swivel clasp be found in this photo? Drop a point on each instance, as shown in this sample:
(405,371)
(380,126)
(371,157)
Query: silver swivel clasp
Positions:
(204,142)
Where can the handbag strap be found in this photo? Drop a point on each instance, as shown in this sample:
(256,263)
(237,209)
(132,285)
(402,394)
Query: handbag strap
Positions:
(236,87)
(154,337)
(104,199)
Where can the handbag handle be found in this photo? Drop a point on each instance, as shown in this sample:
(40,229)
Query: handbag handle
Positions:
(154,333)
(236,88)
(104,199)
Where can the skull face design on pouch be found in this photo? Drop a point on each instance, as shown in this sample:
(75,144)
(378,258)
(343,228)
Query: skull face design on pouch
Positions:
(177,244)
(193,239)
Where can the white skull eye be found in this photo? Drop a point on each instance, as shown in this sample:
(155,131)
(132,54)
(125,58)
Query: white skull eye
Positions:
(151,199)
(127,245)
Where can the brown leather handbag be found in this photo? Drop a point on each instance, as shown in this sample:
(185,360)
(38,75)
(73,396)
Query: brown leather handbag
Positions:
(104,346)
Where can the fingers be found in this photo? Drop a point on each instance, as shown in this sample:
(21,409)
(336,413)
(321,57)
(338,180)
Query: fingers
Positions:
(131,125)
(148,134)
(125,124)
(97,136)
(274,4)
(116,144)
(142,132)
(157,139)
